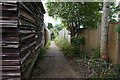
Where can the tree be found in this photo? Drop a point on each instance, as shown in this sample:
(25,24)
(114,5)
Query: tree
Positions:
(50,25)
(59,27)
(104,28)
(112,12)
(74,14)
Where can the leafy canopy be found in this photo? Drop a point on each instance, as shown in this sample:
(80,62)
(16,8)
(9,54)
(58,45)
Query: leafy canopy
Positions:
(50,25)
(75,13)
(59,27)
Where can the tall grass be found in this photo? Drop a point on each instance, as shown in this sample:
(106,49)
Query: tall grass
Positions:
(42,53)
(62,43)
(65,46)
(70,50)
(47,45)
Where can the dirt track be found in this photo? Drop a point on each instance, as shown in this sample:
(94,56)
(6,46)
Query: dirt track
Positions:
(54,65)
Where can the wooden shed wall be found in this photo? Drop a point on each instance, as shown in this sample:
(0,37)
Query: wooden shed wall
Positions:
(31,34)
(22,37)
(10,41)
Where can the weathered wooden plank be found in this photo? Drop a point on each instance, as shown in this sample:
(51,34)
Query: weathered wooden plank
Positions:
(18,40)
(31,49)
(10,62)
(5,68)
(10,39)
(9,50)
(26,37)
(22,49)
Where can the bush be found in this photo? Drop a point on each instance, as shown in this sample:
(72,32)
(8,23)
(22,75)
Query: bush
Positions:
(78,40)
(65,46)
(69,50)
(95,53)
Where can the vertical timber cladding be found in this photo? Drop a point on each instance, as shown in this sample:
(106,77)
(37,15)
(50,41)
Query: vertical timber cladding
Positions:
(10,40)
(119,43)
(31,33)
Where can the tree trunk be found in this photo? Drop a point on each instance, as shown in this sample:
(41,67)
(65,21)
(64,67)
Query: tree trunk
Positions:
(72,35)
(104,29)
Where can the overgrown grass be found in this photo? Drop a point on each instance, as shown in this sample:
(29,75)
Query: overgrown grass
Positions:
(65,46)
(95,66)
(69,50)
(47,45)
(41,54)
(62,43)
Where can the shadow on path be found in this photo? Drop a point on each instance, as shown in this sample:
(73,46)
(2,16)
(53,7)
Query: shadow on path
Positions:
(54,65)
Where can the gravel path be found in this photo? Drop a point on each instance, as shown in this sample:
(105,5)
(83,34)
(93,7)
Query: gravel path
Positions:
(54,65)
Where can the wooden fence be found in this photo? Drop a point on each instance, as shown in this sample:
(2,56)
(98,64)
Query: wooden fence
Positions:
(92,41)
(22,37)
(119,43)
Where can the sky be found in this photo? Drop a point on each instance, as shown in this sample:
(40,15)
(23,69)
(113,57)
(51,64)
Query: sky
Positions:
(48,19)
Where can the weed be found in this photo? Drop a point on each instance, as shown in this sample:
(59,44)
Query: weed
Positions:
(41,54)
(101,69)
(95,53)
(69,50)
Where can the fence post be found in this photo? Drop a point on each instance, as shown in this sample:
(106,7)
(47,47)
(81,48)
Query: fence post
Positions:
(97,36)
(118,43)
(88,40)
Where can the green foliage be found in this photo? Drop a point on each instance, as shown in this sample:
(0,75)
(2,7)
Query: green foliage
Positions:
(101,69)
(74,14)
(118,28)
(59,27)
(62,43)
(69,50)
(113,11)
(54,33)
(50,26)
(54,30)
(95,53)
(42,53)
(78,40)
(65,46)
(76,50)
(47,45)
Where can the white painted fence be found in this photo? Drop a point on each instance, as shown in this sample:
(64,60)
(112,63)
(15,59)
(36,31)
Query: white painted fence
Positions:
(65,34)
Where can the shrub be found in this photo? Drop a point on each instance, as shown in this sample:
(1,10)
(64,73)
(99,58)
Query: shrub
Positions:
(65,46)
(69,50)
(78,40)
(95,53)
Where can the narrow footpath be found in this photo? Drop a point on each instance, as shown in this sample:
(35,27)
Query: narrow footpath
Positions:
(55,65)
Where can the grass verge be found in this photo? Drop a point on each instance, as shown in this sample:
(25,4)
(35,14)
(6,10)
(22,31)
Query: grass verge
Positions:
(65,46)
(42,53)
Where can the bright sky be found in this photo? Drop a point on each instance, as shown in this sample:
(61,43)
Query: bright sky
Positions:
(48,19)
